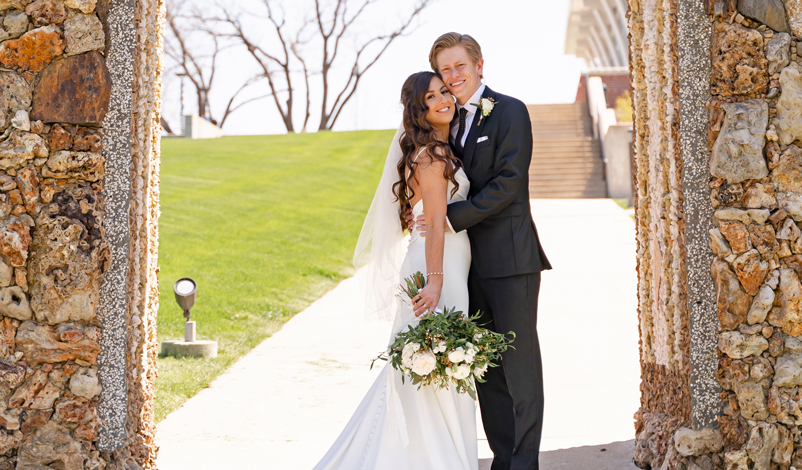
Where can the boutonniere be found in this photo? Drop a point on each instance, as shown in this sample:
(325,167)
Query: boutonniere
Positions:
(485,105)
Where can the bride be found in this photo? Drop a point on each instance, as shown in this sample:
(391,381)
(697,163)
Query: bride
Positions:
(398,426)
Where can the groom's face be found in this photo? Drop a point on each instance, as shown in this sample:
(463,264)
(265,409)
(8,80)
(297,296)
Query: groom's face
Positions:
(461,75)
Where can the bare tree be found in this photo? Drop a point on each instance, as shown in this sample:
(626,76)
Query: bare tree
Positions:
(332,30)
(271,64)
(279,60)
(194,50)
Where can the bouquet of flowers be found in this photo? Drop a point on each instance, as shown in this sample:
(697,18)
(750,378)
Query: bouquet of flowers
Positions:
(444,348)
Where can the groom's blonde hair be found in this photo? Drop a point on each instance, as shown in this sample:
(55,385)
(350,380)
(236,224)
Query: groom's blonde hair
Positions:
(450,40)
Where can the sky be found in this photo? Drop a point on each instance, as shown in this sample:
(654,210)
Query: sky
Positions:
(522,43)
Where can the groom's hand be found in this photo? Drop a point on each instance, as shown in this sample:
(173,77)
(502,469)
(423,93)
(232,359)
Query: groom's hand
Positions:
(420,225)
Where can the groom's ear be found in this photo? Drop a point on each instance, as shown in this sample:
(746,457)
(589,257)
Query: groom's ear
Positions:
(481,66)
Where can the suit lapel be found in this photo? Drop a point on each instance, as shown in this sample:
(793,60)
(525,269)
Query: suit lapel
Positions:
(475,131)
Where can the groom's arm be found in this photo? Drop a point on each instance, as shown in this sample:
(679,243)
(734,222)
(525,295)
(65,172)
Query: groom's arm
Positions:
(511,166)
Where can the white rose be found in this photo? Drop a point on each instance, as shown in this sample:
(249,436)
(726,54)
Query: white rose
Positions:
(415,346)
(450,371)
(477,336)
(442,347)
(480,371)
(469,345)
(469,357)
(462,372)
(487,105)
(456,356)
(424,363)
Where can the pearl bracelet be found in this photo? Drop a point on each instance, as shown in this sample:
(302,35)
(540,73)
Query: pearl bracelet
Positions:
(433,274)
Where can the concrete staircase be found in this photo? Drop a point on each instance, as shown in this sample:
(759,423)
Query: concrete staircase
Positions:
(566,159)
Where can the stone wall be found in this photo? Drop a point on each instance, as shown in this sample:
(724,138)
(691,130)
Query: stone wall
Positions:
(719,234)
(78,208)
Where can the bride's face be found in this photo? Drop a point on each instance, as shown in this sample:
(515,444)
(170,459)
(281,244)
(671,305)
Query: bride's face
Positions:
(440,102)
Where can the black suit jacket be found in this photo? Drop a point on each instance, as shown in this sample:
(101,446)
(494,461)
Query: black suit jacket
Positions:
(497,214)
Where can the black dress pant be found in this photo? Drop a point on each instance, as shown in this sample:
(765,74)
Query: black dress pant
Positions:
(511,400)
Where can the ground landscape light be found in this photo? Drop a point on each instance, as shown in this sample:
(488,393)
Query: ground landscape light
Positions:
(186,290)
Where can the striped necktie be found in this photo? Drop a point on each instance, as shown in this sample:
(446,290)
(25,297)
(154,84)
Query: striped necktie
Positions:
(463,113)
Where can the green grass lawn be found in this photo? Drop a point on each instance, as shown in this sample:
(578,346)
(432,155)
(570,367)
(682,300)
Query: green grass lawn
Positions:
(265,225)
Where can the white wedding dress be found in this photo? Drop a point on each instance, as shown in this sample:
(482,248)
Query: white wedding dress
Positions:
(397,426)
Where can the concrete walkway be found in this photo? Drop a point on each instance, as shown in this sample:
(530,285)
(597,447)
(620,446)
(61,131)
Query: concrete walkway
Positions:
(283,404)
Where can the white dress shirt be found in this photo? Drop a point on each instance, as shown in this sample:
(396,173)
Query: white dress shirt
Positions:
(469,117)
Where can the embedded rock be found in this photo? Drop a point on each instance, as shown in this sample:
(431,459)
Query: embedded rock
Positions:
(15,95)
(14,304)
(75,90)
(85,383)
(87,140)
(69,258)
(35,420)
(84,6)
(719,245)
(8,443)
(787,175)
(789,231)
(794,14)
(738,152)
(28,183)
(761,305)
(76,411)
(41,344)
(690,442)
(752,401)
(769,12)
(59,138)
(33,51)
(759,195)
(789,124)
(763,239)
(763,438)
(736,460)
(758,216)
(11,374)
(83,33)
(66,164)
(788,371)
(733,214)
(737,345)
(8,331)
(739,65)
(46,12)
(791,204)
(778,52)
(732,373)
(789,315)
(732,302)
(21,121)
(14,24)
(751,270)
(14,240)
(737,236)
(51,446)
(19,148)
(784,448)
(37,393)
(786,405)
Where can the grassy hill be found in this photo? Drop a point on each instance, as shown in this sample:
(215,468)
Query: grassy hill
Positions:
(265,225)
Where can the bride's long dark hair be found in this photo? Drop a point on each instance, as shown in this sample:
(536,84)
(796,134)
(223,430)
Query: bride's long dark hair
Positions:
(419,134)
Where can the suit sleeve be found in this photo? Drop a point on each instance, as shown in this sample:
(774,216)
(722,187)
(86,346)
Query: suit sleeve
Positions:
(511,167)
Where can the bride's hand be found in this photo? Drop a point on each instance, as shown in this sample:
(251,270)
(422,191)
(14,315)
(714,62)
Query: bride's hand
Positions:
(429,296)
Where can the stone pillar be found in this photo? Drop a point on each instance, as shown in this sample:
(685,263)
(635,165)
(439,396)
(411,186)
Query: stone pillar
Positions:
(79,114)
(717,91)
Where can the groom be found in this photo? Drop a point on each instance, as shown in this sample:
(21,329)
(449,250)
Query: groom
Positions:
(494,142)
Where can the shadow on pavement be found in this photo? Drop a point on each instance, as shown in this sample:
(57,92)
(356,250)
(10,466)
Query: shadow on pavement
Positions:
(612,456)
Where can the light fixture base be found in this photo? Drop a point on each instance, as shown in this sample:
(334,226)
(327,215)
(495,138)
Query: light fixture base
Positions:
(199,349)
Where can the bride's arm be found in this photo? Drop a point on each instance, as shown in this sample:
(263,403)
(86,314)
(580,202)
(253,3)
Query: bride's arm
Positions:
(433,189)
